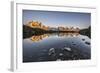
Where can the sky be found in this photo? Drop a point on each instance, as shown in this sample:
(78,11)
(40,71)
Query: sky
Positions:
(55,18)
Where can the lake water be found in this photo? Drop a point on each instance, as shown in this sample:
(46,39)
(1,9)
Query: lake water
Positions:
(56,47)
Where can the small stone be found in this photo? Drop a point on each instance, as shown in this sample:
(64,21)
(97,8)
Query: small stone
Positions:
(74,44)
(67,48)
(58,60)
(83,39)
(88,43)
(60,54)
(51,51)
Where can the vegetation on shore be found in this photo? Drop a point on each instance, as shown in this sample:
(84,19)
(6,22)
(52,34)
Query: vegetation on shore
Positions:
(28,31)
(86,32)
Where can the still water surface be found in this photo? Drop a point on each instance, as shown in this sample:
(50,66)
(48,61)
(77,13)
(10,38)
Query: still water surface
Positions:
(56,47)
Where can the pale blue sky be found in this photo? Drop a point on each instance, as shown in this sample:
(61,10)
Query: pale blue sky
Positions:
(55,19)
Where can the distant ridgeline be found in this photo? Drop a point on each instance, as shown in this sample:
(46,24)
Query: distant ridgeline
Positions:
(37,28)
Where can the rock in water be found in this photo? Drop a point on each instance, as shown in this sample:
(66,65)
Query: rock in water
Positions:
(58,60)
(83,39)
(61,54)
(51,51)
(67,48)
(88,43)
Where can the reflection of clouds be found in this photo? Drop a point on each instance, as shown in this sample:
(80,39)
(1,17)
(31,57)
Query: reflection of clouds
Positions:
(37,38)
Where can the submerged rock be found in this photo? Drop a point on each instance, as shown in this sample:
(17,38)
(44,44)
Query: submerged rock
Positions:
(88,43)
(74,44)
(61,54)
(67,49)
(58,60)
(83,39)
(51,51)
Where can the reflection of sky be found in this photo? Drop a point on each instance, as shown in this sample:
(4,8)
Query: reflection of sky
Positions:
(54,19)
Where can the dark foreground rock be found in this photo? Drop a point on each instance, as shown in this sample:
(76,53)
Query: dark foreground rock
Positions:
(67,53)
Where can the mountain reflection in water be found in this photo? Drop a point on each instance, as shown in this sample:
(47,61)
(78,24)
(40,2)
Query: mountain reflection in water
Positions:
(41,37)
(56,47)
